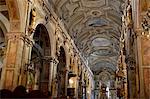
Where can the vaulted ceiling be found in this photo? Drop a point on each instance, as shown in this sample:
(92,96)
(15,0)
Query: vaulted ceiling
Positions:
(94,25)
(4,9)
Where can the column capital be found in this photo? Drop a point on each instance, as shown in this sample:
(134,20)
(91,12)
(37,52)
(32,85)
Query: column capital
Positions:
(19,36)
(14,35)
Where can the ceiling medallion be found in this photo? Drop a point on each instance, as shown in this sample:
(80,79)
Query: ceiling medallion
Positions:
(96,13)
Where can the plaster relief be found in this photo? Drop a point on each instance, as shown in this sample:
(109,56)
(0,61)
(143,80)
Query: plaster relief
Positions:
(93,3)
(9,79)
(146,52)
(147,81)
(71,8)
(11,56)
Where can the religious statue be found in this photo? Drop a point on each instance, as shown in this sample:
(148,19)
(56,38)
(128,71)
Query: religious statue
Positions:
(32,20)
(129,15)
(32,17)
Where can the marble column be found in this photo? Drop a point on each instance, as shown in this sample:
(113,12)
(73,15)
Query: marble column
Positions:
(13,61)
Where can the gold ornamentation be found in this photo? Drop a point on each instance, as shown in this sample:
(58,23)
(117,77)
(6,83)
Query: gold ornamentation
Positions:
(32,20)
(146,25)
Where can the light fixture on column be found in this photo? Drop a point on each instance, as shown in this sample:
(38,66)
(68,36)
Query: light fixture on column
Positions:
(71,82)
(71,89)
(71,76)
(146,25)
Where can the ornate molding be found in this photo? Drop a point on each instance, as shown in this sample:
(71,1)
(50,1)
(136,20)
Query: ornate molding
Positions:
(146,24)
(51,59)
(131,62)
(129,21)
(2,52)
(13,36)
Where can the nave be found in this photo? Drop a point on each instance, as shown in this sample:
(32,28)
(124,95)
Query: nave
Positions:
(75,49)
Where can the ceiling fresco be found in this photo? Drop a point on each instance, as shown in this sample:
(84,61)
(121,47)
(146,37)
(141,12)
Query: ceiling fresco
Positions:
(95,26)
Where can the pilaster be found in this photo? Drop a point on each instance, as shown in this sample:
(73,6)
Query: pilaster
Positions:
(139,68)
(12,63)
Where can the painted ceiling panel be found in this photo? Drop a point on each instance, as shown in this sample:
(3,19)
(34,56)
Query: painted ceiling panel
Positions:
(101,42)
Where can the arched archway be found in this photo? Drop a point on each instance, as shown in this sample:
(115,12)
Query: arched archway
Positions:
(39,68)
(2,46)
(3,32)
(61,74)
(107,84)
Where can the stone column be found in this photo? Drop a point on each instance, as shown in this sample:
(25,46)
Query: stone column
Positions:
(26,55)
(66,79)
(54,79)
(80,82)
(44,82)
(51,61)
(143,64)
(131,75)
(47,72)
(51,68)
(139,69)
(76,79)
(37,75)
(13,60)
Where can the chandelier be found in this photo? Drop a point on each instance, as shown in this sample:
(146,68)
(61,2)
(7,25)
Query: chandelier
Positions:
(146,25)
